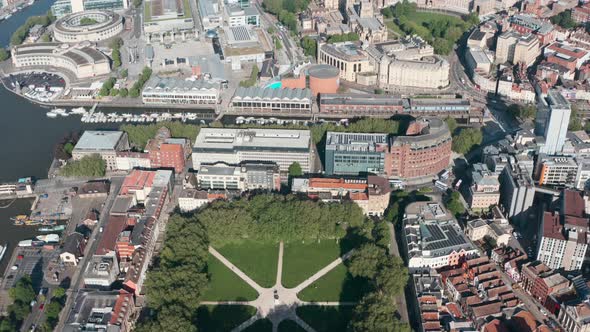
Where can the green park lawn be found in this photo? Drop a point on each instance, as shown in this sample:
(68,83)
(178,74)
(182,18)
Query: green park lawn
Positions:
(425,17)
(226,285)
(261,325)
(222,318)
(257,260)
(336,285)
(289,326)
(301,261)
(326,319)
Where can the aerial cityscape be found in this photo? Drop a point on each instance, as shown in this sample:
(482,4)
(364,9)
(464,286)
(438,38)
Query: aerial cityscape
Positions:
(304,165)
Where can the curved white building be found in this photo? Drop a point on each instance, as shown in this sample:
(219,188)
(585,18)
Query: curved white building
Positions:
(81,59)
(100,25)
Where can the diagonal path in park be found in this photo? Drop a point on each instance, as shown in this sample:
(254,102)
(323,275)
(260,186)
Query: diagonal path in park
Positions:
(277,303)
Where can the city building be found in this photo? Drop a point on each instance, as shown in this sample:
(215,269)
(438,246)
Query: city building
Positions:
(557,171)
(127,160)
(517,190)
(169,90)
(479,60)
(581,14)
(192,199)
(248,175)
(104,143)
(233,146)
(100,311)
(371,194)
(61,8)
(349,57)
(484,191)
(369,25)
(433,238)
(106,24)
(409,62)
(564,235)
(83,60)
(73,249)
(244,44)
(516,48)
(167,152)
(167,17)
(211,16)
(498,230)
(575,317)
(525,24)
(510,260)
(423,152)
(102,271)
(355,153)
(383,105)
(557,123)
(540,281)
(261,100)
(236,15)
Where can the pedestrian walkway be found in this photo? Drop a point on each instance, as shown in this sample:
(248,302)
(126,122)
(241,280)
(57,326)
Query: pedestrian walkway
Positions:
(277,303)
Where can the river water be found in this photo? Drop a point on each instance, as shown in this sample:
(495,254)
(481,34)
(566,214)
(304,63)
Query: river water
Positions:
(27,138)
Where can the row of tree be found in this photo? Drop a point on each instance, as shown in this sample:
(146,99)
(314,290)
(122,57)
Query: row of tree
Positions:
(116,51)
(140,134)
(175,284)
(386,276)
(351,36)
(145,75)
(107,87)
(87,166)
(272,217)
(466,140)
(21,294)
(21,33)
(286,11)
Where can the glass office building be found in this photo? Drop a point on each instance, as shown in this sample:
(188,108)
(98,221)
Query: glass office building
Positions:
(64,7)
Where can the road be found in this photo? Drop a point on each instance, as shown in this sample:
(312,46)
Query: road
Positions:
(400,300)
(77,279)
(268,20)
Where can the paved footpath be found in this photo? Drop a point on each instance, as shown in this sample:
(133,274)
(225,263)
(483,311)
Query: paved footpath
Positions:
(276,303)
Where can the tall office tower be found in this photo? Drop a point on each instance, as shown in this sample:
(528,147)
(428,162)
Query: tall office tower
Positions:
(557,123)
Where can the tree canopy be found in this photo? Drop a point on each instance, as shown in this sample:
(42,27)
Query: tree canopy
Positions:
(92,166)
(564,20)
(21,33)
(523,111)
(454,203)
(295,169)
(4,54)
(271,217)
(466,140)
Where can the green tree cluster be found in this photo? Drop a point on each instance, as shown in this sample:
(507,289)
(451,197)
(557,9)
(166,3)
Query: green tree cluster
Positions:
(452,124)
(278,44)
(454,203)
(137,86)
(269,217)
(92,166)
(21,33)
(466,140)
(4,54)
(174,286)
(575,121)
(441,31)
(286,11)
(351,36)
(251,81)
(386,276)
(116,51)
(52,310)
(310,46)
(21,294)
(523,112)
(140,134)
(295,170)
(107,86)
(564,20)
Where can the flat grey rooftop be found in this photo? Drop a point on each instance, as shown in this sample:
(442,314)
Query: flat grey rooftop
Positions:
(98,140)
(236,139)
